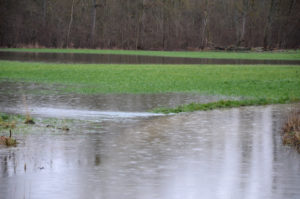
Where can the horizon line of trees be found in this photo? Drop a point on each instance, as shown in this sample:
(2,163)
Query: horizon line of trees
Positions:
(150,24)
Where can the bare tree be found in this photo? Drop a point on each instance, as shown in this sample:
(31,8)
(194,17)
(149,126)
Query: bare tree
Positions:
(93,16)
(70,23)
(270,20)
(204,25)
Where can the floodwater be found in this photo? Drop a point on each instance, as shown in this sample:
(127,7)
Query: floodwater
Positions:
(126,59)
(121,153)
(48,96)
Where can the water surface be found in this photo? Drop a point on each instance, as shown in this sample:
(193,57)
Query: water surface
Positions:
(234,153)
(126,59)
(12,96)
(115,149)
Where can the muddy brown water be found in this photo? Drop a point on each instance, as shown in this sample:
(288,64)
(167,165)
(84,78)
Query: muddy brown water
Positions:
(129,153)
(126,59)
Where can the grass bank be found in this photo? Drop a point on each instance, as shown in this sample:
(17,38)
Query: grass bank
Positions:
(259,84)
(285,55)
(225,104)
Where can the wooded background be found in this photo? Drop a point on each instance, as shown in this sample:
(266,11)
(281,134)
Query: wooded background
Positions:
(150,24)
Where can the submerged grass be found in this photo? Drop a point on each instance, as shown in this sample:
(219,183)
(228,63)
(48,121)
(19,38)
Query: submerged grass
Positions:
(8,118)
(285,55)
(8,122)
(13,124)
(291,130)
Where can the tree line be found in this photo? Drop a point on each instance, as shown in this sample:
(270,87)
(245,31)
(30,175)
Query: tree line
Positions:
(150,24)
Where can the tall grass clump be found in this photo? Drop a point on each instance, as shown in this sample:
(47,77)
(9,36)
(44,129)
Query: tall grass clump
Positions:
(28,118)
(8,141)
(291,130)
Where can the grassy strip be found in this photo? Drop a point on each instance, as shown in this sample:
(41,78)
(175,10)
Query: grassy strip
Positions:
(291,130)
(252,81)
(223,104)
(286,55)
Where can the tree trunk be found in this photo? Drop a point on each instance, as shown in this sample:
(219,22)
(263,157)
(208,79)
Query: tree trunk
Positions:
(245,12)
(44,11)
(203,35)
(70,23)
(163,29)
(268,32)
(137,37)
(93,14)
(291,7)
(243,30)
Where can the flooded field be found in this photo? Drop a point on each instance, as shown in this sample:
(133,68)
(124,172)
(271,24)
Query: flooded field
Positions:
(126,59)
(116,149)
(48,96)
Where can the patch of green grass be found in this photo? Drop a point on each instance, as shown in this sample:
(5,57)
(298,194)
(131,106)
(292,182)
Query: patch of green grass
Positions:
(258,81)
(4,117)
(285,55)
(8,118)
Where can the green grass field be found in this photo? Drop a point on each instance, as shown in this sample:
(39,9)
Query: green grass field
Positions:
(254,81)
(287,55)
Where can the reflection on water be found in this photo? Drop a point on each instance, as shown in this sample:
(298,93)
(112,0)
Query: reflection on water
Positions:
(12,94)
(126,59)
(233,153)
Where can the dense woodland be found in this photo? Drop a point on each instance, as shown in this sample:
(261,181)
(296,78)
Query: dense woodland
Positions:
(150,24)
